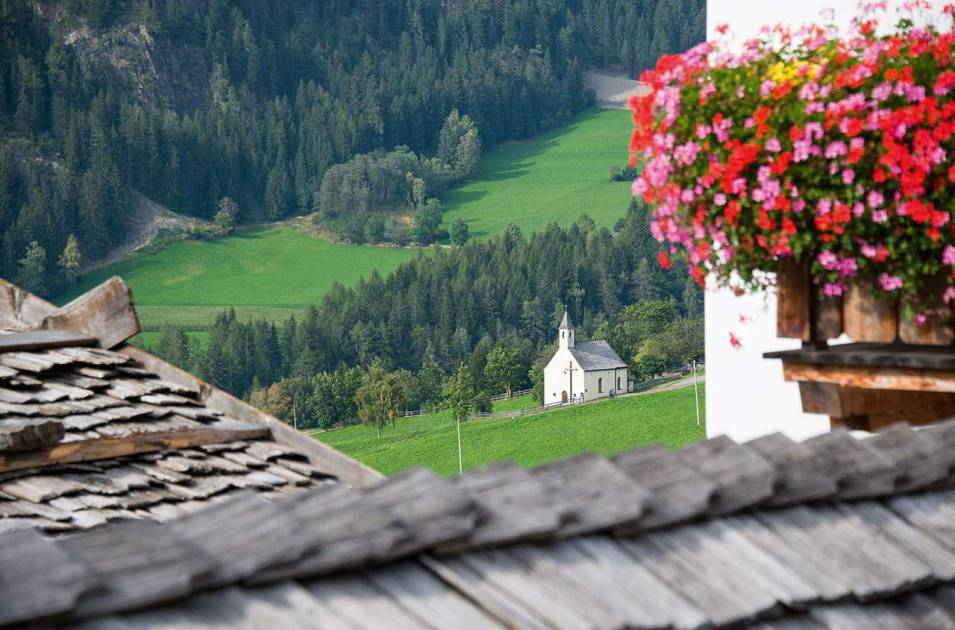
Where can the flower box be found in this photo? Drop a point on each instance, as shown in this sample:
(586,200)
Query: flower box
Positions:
(826,162)
(864,313)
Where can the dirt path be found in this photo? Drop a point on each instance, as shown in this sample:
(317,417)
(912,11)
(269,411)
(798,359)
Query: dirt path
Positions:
(147,219)
(613,90)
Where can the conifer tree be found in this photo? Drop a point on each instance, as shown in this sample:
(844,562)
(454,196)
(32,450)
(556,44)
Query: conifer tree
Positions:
(32,269)
(70,260)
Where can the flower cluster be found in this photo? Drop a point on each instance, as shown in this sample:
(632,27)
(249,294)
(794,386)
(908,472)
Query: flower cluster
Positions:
(833,151)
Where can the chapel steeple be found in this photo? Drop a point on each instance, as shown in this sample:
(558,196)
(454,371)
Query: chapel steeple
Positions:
(565,332)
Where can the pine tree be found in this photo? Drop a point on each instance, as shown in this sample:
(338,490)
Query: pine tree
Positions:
(32,269)
(70,260)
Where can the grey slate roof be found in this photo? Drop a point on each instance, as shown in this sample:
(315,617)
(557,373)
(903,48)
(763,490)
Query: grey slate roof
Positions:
(596,355)
(833,532)
(565,323)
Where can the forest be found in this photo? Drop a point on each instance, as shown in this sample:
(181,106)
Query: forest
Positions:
(492,306)
(189,102)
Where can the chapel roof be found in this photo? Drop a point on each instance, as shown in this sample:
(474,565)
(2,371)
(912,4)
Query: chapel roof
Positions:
(596,355)
(565,323)
(833,532)
(94,430)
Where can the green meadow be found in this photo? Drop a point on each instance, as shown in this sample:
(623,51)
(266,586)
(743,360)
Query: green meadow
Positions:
(604,427)
(273,272)
(555,176)
(264,273)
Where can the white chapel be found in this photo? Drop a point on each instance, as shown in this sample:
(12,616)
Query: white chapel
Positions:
(582,371)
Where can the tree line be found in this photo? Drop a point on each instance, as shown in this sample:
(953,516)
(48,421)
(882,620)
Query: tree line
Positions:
(258,100)
(491,305)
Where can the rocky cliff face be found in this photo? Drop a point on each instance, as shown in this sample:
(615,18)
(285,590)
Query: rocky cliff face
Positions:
(159,71)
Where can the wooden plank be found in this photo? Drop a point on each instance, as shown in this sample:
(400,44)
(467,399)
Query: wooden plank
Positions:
(872,566)
(39,580)
(243,535)
(417,590)
(322,456)
(868,314)
(285,605)
(805,561)
(606,569)
(359,603)
(932,512)
(922,460)
(407,513)
(40,488)
(827,316)
(502,603)
(792,300)
(111,448)
(680,492)
(20,309)
(790,622)
(741,476)
(801,473)
(884,524)
(873,378)
(105,312)
(715,590)
(95,357)
(859,470)
(535,586)
(513,503)
(913,612)
(628,592)
(26,434)
(592,494)
(138,563)
(872,355)
(43,339)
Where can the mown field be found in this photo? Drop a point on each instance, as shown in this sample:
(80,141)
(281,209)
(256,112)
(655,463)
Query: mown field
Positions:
(264,273)
(604,427)
(555,176)
(274,272)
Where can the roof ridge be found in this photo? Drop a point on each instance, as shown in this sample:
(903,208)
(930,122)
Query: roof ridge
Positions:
(639,497)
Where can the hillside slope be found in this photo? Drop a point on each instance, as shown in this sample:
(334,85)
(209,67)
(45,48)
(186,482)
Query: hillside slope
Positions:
(604,427)
(189,102)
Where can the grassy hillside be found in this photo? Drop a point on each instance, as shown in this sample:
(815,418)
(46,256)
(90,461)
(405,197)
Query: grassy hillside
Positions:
(555,176)
(268,272)
(604,427)
(274,272)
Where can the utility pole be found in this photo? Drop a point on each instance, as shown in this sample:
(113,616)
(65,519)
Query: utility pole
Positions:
(460,455)
(696,394)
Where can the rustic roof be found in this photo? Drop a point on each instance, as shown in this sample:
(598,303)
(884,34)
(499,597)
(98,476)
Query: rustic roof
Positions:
(596,355)
(93,430)
(833,532)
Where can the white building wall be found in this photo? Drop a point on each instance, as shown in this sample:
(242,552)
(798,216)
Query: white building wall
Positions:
(556,380)
(592,390)
(745,394)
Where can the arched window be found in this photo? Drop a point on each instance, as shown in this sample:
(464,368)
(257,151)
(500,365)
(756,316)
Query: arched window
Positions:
(600,385)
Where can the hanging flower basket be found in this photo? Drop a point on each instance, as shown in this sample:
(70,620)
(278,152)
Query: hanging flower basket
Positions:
(819,164)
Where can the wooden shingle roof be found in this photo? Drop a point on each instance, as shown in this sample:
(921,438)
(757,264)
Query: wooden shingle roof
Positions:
(93,430)
(833,532)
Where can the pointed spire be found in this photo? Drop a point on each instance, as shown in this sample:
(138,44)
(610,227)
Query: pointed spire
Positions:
(565,323)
